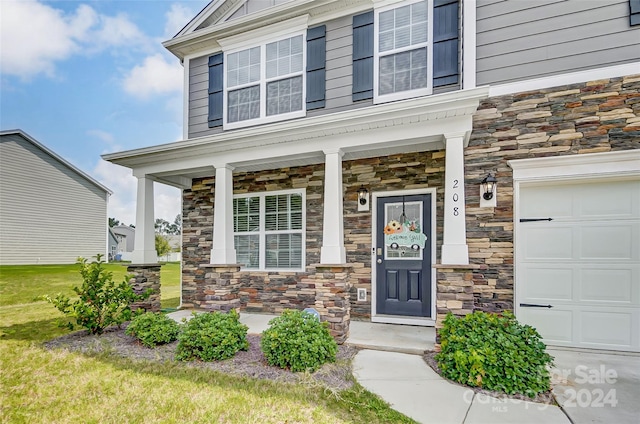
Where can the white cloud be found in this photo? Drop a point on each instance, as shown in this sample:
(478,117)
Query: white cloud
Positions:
(155,76)
(36,36)
(177,17)
(122,203)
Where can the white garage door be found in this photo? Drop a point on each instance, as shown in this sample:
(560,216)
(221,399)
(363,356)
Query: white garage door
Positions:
(578,275)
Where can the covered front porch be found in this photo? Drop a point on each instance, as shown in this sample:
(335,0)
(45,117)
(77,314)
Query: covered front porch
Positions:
(213,278)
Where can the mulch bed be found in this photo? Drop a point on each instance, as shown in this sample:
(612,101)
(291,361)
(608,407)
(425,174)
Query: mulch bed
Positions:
(251,363)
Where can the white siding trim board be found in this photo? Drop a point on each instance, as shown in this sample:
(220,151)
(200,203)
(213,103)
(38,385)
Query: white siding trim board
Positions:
(565,79)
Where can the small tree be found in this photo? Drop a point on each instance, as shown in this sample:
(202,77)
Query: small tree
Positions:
(162,245)
(102,302)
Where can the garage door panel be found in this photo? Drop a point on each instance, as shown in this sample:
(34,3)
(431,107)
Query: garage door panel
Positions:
(553,325)
(585,263)
(598,200)
(607,285)
(551,283)
(609,329)
(607,241)
(549,242)
(542,202)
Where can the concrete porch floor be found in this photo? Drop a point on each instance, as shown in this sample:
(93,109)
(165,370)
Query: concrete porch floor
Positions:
(410,339)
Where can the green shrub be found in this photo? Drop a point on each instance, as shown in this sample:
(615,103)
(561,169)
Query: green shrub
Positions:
(212,337)
(153,329)
(102,302)
(297,340)
(495,352)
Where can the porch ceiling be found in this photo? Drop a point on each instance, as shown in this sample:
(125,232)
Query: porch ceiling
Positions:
(379,130)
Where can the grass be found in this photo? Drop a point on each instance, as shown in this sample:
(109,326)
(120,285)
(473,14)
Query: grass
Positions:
(38,385)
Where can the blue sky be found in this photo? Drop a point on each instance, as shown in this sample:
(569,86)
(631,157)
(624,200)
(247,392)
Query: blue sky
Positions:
(91,77)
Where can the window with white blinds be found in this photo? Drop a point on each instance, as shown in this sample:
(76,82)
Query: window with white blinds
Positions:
(265,83)
(403,49)
(269,230)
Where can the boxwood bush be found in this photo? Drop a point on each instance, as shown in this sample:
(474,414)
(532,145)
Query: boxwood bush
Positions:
(297,340)
(212,337)
(153,329)
(495,352)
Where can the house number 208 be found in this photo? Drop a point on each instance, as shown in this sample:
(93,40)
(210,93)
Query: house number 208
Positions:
(456,210)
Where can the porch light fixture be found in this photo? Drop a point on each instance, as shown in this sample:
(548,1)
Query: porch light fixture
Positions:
(488,187)
(363,194)
(363,199)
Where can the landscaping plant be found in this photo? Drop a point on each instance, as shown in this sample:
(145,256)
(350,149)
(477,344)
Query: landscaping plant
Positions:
(212,337)
(494,352)
(101,303)
(297,340)
(153,329)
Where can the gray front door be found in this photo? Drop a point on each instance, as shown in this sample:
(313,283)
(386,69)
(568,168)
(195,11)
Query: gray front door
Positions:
(403,255)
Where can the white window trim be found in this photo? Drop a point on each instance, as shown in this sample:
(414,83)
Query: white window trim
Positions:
(377,98)
(269,34)
(262,233)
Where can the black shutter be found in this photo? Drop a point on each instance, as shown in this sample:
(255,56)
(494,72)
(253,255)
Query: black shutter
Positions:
(316,60)
(634,12)
(445,43)
(363,56)
(215,90)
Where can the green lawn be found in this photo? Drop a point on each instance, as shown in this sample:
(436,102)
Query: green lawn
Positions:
(38,385)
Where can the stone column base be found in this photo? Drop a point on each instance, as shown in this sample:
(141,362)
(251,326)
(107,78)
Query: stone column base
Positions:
(145,277)
(454,292)
(331,284)
(220,290)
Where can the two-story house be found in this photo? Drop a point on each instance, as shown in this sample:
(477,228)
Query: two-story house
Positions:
(396,160)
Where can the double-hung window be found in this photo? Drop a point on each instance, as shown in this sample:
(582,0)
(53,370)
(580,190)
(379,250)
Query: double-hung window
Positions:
(265,83)
(269,230)
(403,51)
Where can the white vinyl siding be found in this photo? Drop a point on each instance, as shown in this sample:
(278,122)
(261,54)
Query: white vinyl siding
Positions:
(49,213)
(269,230)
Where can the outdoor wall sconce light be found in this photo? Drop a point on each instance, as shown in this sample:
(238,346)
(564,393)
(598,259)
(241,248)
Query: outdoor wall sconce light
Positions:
(363,199)
(488,192)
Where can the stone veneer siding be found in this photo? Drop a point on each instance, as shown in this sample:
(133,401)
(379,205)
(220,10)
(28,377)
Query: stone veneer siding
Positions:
(597,116)
(271,292)
(144,278)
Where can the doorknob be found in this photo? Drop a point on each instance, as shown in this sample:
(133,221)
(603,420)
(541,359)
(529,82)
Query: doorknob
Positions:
(379,261)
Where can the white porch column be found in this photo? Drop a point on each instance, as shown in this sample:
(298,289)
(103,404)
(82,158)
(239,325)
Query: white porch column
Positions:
(144,248)
(454,244)
(223,251)
(332,250)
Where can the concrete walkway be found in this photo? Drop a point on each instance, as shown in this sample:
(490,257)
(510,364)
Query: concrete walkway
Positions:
(413,388)
(390,365)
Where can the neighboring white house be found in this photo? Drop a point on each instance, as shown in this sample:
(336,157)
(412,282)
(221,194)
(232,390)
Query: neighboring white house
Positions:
(126,236)
(51,212)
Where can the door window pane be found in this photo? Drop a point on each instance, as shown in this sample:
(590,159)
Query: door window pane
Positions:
(402,228)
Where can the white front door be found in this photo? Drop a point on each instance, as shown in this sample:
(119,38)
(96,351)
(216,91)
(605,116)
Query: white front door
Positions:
(578,274)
